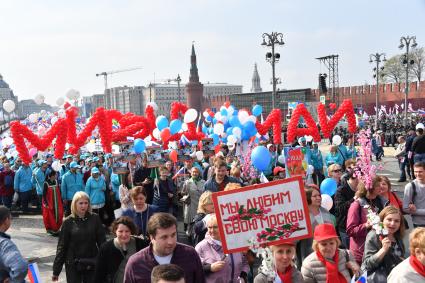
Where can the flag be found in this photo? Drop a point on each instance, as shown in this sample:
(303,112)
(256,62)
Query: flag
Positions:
(130,139)
(33,273)
(184,141)
(410,108)
(361,279)
(402,106)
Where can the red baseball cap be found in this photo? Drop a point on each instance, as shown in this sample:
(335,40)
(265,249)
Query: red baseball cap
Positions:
(278,169)
(324,232)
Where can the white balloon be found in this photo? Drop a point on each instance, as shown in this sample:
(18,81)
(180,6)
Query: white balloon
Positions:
(310,169)
(154,106)
(56,166)
(308,138)
(115,149)
(232,139)
(237,132)
(218,129)
(420,126)
(7,141)
(91,147)
(243,116)
(199,155)
(184,127)
(39,99)
(8,105)
(230,110)
(327,202)
(252,118)
(190,115)
(218,116)
(156,133)
(61,113)
(54,120)
(205,114)
(73,94)
(336,140)
(281,159)
(60,101)
(32,118)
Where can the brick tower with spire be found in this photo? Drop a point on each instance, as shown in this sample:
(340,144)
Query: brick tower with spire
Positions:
(194,89)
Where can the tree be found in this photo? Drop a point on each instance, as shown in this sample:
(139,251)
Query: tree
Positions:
(418,69)
(394,71)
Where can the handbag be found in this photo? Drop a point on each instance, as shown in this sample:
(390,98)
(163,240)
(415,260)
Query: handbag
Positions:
(85,264)
(379,275)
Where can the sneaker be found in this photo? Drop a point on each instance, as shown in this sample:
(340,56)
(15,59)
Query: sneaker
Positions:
(401,180)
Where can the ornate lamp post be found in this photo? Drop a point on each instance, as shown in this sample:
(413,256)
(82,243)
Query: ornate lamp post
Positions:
(270,40)
(408,41)
(377,72)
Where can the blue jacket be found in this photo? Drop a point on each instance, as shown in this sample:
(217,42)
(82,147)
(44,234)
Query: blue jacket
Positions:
(12,264)
(22,182)
(38,179)
(71,183)
(351,152)
(96,190)
(316,159)
(343,151)
(331,159)
(115,183)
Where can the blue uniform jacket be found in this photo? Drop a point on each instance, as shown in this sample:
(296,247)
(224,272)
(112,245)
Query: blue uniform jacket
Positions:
(316,159)
(115,183)
(331,159)
(38,179)
(22,182)
(71,183)
(12,264)
(96,190)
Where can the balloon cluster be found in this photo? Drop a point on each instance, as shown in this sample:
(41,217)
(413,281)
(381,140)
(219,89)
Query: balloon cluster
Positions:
(327,125)
(294,131)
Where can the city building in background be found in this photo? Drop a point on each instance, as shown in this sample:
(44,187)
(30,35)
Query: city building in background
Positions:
(28,106)
(6,93)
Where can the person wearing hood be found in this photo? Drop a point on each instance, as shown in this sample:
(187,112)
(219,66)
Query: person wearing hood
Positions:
(39,177)
(217,265)
(72,182)
(95,188)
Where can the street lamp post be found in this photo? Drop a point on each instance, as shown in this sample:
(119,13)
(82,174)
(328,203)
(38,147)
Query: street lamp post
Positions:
(408,41)
(377,59)
(270,40)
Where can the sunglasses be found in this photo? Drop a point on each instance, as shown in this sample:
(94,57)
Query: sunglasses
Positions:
(337,171)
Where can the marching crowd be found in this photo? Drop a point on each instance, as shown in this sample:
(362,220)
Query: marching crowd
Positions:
(123,228)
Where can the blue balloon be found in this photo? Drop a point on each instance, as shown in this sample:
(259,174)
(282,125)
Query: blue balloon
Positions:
(257,110)
(215,138)
(328,186)
(229,131)
(139,146)
(204,129)
(234,121)
(208,118)
(214,121)
(175,126)
(161,122)
(260,158)
(223,112)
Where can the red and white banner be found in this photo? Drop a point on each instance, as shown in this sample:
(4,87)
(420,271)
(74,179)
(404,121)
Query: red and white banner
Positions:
(268,213)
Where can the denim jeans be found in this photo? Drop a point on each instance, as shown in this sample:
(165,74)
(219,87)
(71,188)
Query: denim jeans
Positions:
(345,240)
(7,201)
(402,166)
(25,198)
(419,157)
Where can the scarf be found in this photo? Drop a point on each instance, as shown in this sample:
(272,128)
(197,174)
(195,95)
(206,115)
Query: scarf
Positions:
(417,265)
(286,277)
(332,273)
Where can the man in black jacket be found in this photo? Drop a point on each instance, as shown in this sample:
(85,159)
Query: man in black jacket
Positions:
(343,198)
(142,177)
(409,165)
(418,146)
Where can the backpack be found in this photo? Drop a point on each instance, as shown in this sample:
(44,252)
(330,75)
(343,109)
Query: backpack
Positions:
(414,192)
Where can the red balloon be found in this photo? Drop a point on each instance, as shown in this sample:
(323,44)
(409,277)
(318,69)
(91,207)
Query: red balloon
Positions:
(227,104)
(165,134)
(173,155)
(66,105)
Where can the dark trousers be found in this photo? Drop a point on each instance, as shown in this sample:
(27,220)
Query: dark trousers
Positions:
(74,276)
(25,198)
(402,166)
(318,176)
(7,201)
(67,208)
(102,215)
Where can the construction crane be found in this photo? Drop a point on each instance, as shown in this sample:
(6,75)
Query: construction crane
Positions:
(105,74)
(178,80)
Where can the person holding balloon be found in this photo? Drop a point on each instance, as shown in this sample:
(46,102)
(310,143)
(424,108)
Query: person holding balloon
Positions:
(367,201)
(318,215)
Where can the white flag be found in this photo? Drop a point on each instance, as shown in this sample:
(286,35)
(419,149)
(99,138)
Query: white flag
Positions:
(263,178)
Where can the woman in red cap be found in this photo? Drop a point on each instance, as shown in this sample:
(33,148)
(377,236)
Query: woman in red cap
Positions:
(328,264)
(283,259)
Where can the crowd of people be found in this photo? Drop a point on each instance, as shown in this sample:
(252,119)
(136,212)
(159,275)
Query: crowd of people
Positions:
(123,228)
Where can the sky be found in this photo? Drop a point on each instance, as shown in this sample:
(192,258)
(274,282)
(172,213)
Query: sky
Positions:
(50,46)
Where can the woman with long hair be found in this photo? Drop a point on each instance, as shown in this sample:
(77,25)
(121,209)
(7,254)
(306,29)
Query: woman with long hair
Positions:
(358,224)
(387,193)
(198,227)
(80,237)
(52,204)
(383,251)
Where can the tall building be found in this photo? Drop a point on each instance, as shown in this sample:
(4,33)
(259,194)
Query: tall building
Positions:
(28,106)
(125,99)
(256,86)
(194,89)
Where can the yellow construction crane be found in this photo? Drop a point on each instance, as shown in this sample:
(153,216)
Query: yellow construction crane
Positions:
(105,74)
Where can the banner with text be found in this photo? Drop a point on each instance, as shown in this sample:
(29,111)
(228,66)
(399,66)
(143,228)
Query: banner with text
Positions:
(268,213)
